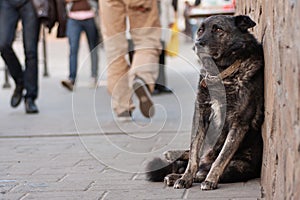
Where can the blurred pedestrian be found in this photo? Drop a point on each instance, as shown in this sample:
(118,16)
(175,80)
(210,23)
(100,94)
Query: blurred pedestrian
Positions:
(81,14)
(186,13)
(167,19)
(140,77)
(191,24)
(11,12)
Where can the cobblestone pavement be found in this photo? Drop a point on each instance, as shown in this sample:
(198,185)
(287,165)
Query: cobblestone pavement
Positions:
(73,149)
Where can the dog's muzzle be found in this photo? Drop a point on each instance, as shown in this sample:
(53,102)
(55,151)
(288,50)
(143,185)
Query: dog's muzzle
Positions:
(200,46)
(200,42)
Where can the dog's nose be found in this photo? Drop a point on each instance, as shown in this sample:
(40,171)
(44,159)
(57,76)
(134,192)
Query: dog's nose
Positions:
(200,42)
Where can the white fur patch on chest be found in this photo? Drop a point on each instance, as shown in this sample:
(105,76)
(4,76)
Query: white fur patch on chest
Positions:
(216,114)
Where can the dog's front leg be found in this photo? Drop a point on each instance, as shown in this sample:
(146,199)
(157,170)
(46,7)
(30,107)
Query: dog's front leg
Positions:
(232,143)
(186,180)
(198,134)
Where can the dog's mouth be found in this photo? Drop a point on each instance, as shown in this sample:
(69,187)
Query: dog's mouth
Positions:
(201,49)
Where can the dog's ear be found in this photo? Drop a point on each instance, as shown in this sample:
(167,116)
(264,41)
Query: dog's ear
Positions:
(243,22)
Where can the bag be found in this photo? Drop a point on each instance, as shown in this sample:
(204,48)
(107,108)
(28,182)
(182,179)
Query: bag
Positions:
(172,48)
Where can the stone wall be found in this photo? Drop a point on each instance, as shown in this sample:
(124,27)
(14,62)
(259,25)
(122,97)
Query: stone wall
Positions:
(278,28)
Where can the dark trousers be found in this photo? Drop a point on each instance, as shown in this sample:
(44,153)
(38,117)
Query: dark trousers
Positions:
(161,79)
(11,12)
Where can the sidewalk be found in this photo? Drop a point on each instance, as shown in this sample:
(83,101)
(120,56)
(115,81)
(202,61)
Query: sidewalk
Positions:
(74,149)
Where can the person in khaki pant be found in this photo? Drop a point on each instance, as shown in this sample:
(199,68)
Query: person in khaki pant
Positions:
(145,32)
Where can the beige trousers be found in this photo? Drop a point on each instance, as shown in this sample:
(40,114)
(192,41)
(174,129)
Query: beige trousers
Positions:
(145,32)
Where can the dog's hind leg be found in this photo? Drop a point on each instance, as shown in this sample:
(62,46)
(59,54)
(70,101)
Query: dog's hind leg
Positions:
(232,143)
(239,170)
(173,155)
(178,169)
(157,169)
(246,163)
(170,179)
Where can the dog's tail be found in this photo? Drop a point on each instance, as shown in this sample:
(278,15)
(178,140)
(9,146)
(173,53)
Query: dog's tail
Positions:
(157,169)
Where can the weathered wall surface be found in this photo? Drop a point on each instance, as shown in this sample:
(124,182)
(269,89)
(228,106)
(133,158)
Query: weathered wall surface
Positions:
(278,28)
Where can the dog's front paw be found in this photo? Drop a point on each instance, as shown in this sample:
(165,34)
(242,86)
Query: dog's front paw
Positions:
(170,179)
(207,185)
(183,183)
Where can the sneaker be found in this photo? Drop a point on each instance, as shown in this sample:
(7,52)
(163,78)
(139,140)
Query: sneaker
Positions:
(142,92)
(68,84)
(124,116)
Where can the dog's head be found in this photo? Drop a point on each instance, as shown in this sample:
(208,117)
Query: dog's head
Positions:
(223,36)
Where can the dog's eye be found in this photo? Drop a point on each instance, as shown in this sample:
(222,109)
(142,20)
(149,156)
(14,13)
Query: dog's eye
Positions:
(219,30)
(200,30)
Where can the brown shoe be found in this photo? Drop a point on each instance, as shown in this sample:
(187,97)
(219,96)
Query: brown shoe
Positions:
(144,96)
(68,84)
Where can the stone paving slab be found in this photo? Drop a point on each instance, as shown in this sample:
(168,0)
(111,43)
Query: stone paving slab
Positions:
(69,171)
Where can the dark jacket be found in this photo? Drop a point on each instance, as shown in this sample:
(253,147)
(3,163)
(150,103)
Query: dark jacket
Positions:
(50,12)
(61,16)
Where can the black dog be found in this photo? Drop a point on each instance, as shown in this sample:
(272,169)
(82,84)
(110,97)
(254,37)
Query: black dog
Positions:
(233,70)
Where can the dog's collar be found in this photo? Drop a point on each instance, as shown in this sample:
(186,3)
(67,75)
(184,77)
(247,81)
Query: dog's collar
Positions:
(225,73)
